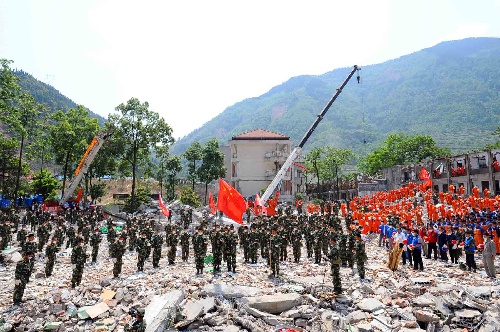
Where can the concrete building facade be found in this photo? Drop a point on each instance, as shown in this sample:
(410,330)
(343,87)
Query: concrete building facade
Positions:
(252,160)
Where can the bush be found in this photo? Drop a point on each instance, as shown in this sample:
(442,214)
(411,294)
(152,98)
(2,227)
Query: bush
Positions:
(142,196)
(45,184)
(97,190)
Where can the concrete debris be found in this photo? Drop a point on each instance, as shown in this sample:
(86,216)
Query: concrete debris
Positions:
(274,304)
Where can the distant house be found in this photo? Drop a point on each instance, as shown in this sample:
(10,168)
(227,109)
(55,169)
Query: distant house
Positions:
(252,160)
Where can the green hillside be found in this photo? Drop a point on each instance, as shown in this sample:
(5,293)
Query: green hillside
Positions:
(450,91)
(48,95)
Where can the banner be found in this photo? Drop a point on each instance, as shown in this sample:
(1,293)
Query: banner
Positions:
(163,208)
(79,196)
(213,209)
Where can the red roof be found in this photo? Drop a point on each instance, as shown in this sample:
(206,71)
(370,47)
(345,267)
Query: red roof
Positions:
(260,134)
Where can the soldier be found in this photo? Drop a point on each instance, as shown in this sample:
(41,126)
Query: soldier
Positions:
(184,237)
(22,276)
(253,245)
(143,250)
(111,236)
(230,243)
(308,234)
(275,245)
(360,256)
(95,240)
(243,235)
(118,249)
(59,234)
(30,247)
(200,243)
(351,241)
(157,243)
(132,237)
(173,240)
(70,233)
(21,235)
(137,324)
(217,240)
(50,256)
(296,243)
(317,244)
(284,243)
(78,258)
(342,247)
(6,234)
(335,261)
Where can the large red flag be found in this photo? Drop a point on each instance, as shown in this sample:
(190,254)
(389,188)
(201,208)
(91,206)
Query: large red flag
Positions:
(231,202)
(79,195)
(211,203)
(425,175)
(277,196)
(163,208)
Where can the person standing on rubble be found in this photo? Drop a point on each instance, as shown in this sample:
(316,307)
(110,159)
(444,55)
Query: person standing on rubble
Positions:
(335,261)
(137,324)
(361,256)
(296,240)
(230,244)
(22,276)
(274,257)
(489,253)
(184,238)
(78,258)
(156,244)
(470,249)
(200,244)
(143,250)
(217,240)
(173,240)
(117,251)
(95,240)
(50,256)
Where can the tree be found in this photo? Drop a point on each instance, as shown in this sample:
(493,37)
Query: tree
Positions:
(97,190)
(189,197)
(39,147)
(332,163)
(173,166)
(212,166)
(9,87)
(400,149)
(9,164)
(495,145)
(139,131)
(45,184)
(70,136)
(313,161)
(193,155)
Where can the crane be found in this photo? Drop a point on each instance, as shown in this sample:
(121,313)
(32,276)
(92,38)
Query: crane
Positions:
(84,164)
(296,151)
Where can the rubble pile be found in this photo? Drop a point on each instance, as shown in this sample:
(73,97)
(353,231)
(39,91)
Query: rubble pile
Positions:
(442,298)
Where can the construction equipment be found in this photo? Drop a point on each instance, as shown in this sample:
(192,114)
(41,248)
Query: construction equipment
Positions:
(296,152)
(84,164)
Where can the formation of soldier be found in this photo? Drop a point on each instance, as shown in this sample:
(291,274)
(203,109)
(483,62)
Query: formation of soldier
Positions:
(268,240)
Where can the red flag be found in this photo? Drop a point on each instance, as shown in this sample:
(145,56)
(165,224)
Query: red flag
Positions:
(231,202)
(211,203)
(277,196)
(424,175)
(163,208)
(79,195)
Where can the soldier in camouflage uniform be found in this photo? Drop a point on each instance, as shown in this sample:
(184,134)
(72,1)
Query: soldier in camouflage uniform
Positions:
(118,249)
(59,234)
(184,238)
(200,244)
(132,237)
(172,241)
(253,245)
(296,243)
(335,261)
(360,256)
(342,247)
(43,234)
(317,244)
(78,258)
(351,241)
(157,243)
(283,233)
(243,235)
(21,236)
(95,240)
(137,324)
(230,244)
(143,250)
(22,276)
(70,234)
(50,256)
(274,246)
(308,234)
(217,240)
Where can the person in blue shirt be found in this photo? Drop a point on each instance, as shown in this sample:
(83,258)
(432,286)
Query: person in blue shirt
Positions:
(443,244)
(416,242)
(382,228)
(470,248)
(409,253)
(388,234)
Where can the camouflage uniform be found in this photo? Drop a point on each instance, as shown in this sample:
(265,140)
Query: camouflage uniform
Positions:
(143,251)
(335,261)
(184,237)
(78,258)
(21,236)
(317,245)
(50,255)
(22,276)
(173,240)
(275,245)
(351,240)
(296,243)
(217,240)
(284,244)
(70,233)
(342,247)
(230,243)
(200,242)
(118,249)
(132,238)
(360,257)
(95,240)
(157,243)
(253,245)
(243,235)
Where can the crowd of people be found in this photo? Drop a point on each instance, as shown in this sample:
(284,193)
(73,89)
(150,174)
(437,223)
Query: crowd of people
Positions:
(332,233)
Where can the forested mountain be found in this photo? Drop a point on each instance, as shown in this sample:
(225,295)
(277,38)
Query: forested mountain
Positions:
(48,95)
(450,91)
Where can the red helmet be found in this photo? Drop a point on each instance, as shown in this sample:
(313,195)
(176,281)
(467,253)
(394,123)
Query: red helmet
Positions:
(379,231)
(462,244)
(453,241)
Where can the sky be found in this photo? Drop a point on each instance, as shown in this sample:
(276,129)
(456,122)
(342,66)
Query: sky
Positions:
(190,60)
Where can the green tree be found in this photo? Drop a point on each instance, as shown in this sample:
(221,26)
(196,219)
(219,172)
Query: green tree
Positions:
(173,166)
(45,184)
(70,136)
(8,163)
(38,150)
(143,196)
(193,155)
(212,166)
(9,87)
(313,162)
(400,149)
(189,197)
(97,190)
(495,145)
(139,131)
(332,164)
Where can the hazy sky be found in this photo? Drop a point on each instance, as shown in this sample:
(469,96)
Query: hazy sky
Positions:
(192,59)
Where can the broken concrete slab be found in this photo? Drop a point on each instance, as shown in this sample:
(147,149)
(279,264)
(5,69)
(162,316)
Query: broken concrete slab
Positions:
(162,310)
(370,304)
(467,313)
(107,294)
(229,291)
(426,316)
(357,316)
(274,304)
(97,309)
